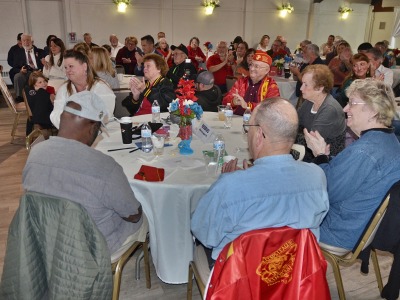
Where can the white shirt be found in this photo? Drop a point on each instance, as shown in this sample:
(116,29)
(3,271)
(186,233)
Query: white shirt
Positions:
(387,73)
(100,88)
(114,51)
(54,71)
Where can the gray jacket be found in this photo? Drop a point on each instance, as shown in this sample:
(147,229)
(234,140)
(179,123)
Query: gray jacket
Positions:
(55,251)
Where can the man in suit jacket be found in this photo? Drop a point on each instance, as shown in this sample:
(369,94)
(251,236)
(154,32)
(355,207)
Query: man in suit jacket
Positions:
(13,50)
(26,60)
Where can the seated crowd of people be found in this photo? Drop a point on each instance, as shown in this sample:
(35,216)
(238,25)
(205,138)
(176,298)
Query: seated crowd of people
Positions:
(343,117)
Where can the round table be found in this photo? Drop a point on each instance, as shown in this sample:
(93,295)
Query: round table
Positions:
(168,205)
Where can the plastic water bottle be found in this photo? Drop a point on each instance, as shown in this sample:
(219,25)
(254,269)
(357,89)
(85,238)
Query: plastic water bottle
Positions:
(146,138)
(228,116)
(187,74)
(155,112)
(246,116)
(219,149)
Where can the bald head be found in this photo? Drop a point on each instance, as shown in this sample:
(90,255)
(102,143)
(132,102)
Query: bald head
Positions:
(279,120)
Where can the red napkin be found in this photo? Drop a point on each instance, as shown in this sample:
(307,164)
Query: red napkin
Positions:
(149,173)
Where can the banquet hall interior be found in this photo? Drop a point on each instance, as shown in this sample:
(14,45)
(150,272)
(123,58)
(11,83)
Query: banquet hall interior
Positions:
(368,21)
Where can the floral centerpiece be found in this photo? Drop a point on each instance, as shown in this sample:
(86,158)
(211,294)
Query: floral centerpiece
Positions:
(279,63)
(186,109)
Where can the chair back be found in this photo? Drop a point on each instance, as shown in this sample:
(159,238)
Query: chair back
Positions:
(7,96)
(120,69)
(120,110)
(230,81)
(55,249)
(28,108)
(272,263)
(298,151)
(371,229)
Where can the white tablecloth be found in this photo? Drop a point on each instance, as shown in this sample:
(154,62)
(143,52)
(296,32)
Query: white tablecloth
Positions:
(168,205)
(287,88)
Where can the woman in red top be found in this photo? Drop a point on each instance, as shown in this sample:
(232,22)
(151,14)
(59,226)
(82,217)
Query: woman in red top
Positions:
(164,49)
(154,86)
(195,54)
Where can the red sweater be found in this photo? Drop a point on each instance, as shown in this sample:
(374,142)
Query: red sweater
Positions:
(193,53)
(220,75)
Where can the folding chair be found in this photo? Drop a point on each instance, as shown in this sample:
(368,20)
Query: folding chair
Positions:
(339,256)
(16,108)
(200,270)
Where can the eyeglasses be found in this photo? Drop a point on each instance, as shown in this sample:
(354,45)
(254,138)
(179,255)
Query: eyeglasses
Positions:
(246,129)
(256,66)
(351,103)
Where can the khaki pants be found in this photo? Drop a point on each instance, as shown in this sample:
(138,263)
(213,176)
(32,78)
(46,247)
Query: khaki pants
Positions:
(138,236)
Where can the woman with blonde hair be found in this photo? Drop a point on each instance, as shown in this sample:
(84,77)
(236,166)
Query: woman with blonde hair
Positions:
(360,176)
(102,65)
(126,56)
(263,45)
(164,49)
(81,77)
(83,48)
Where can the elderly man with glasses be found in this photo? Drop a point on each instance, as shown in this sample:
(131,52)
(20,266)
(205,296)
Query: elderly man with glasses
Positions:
(178,69)
(250,91)
(276,191)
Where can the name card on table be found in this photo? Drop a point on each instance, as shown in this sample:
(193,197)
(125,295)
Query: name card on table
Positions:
(203,131)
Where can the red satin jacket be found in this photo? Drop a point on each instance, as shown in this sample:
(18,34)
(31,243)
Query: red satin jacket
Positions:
(273,263)
(268,89)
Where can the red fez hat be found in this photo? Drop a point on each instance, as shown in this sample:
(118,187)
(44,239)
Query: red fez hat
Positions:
(263,57)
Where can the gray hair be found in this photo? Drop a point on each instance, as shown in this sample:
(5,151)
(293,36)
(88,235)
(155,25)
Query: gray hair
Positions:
(377,95)
(313,49)
(279,118)
(376,53)
(222,42)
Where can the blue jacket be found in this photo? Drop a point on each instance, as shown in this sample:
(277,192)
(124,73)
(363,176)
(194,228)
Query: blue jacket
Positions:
(277,191)
(358,179)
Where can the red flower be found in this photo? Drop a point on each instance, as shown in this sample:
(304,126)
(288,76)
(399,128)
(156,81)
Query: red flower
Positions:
(186,90)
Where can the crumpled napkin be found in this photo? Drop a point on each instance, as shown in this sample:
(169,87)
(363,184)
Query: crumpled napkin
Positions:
(149,173)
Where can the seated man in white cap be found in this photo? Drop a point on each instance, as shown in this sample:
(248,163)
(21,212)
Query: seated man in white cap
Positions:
(250,91)
(208,95)
(66,166)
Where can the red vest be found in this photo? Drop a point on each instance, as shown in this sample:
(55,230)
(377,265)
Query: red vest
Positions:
(273,263)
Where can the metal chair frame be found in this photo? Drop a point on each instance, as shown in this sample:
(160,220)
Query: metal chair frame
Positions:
(120,263)
(200,284)
(350,257)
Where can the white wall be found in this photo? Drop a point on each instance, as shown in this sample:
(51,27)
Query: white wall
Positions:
(182,19)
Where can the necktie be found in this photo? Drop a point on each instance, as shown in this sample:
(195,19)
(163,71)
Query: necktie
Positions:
(30,60)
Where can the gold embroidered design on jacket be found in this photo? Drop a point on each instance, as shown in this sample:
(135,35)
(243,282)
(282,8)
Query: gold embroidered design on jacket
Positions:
(278,267)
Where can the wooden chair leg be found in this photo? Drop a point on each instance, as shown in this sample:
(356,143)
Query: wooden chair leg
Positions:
(14,128)
(377,270)
(190,282)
